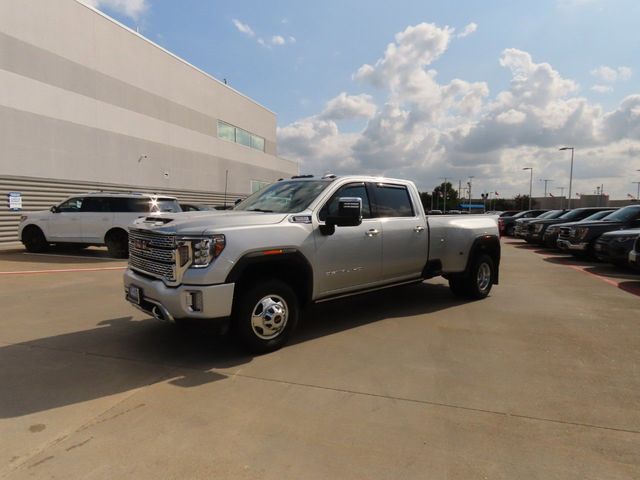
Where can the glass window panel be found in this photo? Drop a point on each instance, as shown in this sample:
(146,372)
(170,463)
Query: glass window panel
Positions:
(393,202)
(243,137)
(226,131)
(257,143)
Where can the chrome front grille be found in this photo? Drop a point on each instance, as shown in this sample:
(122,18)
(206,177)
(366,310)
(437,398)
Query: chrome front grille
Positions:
(164,271)
(153,254)
(565,232)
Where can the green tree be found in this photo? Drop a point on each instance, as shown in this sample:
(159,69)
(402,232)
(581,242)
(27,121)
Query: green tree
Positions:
(452,200)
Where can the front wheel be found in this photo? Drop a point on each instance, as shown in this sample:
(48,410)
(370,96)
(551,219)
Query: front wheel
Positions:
(265,315)
(34,240)
(477,282)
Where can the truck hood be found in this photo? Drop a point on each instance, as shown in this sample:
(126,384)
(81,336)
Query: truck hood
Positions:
(622,233)
(198,223)
(602,225)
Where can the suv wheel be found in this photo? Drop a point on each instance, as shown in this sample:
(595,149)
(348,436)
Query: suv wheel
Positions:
(265,315)
(477,282)
(117,242)
(34,240)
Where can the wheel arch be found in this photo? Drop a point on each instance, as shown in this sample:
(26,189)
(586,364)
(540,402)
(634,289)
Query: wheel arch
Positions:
(288,265)
(30,228)
(113,230)
(486,244)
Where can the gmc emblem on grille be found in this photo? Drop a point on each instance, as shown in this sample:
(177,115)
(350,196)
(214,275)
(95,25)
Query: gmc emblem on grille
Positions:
(141,244)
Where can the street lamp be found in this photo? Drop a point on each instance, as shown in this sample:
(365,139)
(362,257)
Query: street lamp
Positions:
(530,183)
(570,176)
(444,209)
(471,177)
(545,180)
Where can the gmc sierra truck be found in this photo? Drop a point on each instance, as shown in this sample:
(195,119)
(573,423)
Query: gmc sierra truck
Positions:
(299,241)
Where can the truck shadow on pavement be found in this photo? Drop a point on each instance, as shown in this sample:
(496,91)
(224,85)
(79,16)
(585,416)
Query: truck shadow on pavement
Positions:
(59,257)
(121,354)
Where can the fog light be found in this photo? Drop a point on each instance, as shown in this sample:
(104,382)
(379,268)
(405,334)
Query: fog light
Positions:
(194,301)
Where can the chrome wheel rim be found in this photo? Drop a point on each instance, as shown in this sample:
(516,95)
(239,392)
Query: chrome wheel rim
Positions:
(484,276)
(269,317)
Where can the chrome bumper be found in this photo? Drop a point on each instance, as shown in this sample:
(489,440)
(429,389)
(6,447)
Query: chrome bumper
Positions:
(171,303)
(577,247)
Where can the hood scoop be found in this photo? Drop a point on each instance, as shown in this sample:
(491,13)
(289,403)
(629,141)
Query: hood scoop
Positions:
(157,221)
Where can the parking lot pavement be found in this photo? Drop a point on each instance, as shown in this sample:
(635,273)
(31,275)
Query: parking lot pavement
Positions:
(540,380)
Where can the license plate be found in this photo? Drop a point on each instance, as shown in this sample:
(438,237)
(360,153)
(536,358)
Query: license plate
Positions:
(134,294)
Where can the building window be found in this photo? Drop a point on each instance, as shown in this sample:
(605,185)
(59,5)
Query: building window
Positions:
(257,185)
(233,134)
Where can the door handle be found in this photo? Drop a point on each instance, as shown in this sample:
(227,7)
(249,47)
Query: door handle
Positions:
(418,229)
(372,233)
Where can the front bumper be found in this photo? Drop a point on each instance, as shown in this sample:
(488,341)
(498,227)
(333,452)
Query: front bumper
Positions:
(575,247)
(182,302)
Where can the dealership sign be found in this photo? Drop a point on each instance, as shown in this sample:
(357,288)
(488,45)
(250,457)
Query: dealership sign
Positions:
(15,201)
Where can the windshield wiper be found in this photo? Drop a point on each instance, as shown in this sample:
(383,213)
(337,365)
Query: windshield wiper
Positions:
(259,210)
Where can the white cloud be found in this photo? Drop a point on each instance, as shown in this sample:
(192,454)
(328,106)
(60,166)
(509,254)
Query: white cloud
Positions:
(423,129)
(468,30)
(131,8)
(243,28)
(602,88)
(346,106)
(278,40)
(611,75)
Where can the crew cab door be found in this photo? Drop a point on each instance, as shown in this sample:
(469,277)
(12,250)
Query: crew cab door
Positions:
(65,225)
(404,231)
(350,258)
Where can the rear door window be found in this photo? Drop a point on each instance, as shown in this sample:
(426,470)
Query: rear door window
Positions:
(96,204)
(392,201)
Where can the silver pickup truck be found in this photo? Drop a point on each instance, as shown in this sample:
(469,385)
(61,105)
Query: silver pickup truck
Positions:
(303,240)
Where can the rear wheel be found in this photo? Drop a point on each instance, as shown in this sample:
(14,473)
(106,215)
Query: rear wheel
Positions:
(477,282)
(34,240)
(117,242)
(265,314)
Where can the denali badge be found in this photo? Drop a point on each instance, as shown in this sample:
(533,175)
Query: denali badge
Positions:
(141,244)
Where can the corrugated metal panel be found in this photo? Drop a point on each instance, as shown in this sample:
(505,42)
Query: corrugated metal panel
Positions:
(42,193)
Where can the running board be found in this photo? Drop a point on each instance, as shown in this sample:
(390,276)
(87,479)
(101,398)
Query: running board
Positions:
(368,290)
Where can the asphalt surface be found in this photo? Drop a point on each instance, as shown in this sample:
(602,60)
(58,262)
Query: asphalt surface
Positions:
(540,380)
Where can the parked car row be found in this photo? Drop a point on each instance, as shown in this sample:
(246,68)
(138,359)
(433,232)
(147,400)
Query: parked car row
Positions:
(607,234)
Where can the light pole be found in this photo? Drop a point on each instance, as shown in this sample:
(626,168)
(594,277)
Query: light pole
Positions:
(570,176)
(530,183)
(638,194)
(444,208)
(469,183)
(545,180)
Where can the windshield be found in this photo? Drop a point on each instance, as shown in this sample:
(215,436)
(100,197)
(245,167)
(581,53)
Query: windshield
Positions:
(552,214)
(165,205)
(623,215)
(598,215)
(284,197)
(572,214)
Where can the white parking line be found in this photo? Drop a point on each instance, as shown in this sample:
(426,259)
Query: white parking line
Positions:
(69,256)
(62,270)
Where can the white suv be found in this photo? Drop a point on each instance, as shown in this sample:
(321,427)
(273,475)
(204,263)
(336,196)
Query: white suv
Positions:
(91,219)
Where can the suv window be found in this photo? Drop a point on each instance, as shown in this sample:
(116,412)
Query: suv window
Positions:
(72,205)
(143,205)
(392,201)
(350,190)
(95,204)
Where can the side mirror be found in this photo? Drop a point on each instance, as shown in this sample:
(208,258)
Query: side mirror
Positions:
(238,200)
(349,213)
(54,209)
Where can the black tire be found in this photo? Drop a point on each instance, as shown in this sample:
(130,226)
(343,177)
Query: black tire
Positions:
(473,285)
(117,242)
(34,240)
(272,331)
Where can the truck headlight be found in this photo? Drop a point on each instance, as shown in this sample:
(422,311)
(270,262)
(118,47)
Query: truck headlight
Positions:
(581,232)
(23,218)
(538,228)
(625,239)
(206,250)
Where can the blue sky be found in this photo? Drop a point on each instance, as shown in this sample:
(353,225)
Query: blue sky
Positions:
(319,47)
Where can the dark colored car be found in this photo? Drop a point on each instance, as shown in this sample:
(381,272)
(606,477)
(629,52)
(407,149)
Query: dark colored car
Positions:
(522,224)
(506,224)
(538,227)
(634,255)
(583,236)
(562,230)
(614,247)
